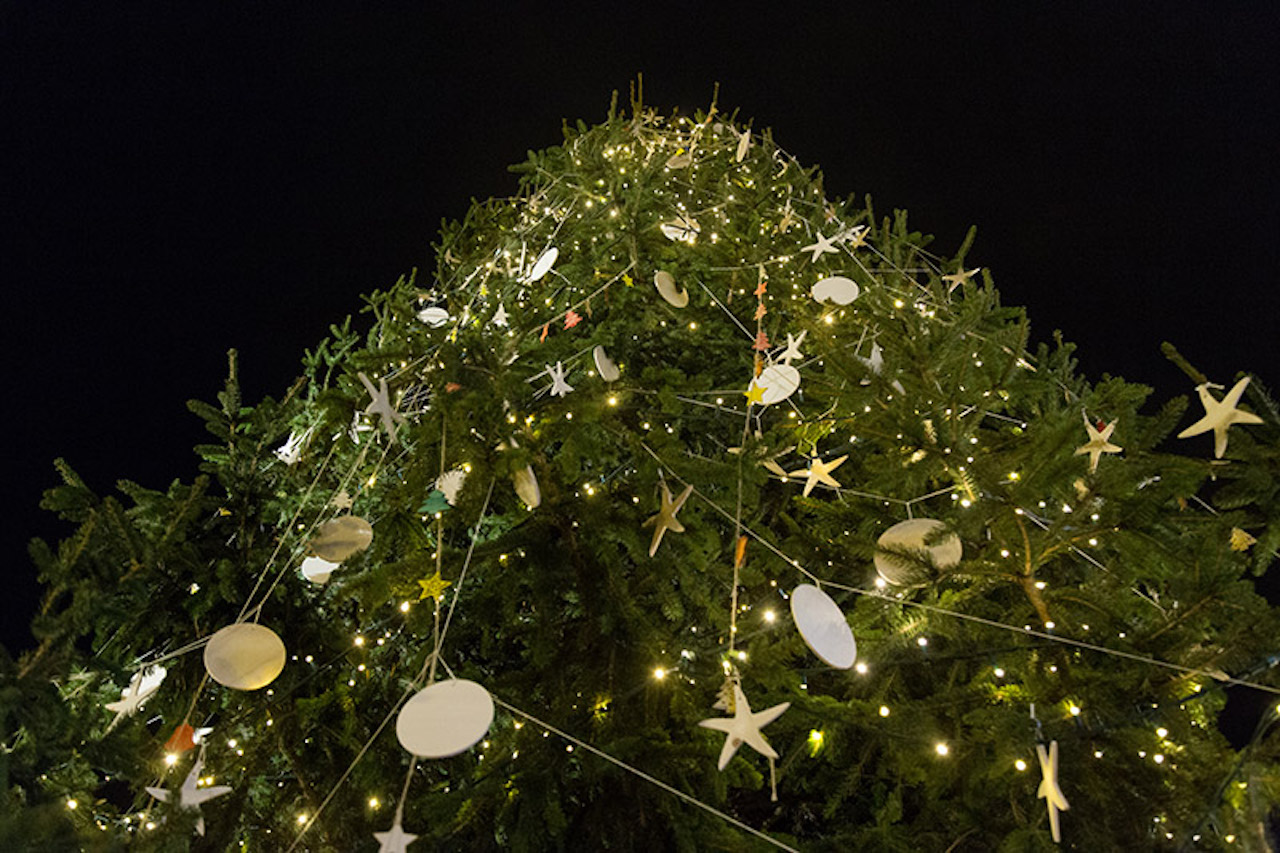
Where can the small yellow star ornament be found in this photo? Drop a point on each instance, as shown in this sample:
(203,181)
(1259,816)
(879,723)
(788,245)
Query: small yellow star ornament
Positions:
(433,587)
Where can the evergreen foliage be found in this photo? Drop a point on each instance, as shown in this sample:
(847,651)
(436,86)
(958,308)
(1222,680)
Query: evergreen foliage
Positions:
(562,613)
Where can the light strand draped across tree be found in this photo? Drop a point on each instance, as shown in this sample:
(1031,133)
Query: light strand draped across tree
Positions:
(635,408)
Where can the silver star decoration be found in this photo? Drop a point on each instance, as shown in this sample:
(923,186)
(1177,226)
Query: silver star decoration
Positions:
(142,686)
(819,472)
(395,839)
(559,387)
(499,316)
(824,245)
(380,404)
(666,518)
(1219,415)
(744,727)
(793,347)
(1049,790)
(956,279)
(189,795)
(1099,442)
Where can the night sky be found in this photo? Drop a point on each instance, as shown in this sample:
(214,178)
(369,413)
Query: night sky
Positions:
(180,181)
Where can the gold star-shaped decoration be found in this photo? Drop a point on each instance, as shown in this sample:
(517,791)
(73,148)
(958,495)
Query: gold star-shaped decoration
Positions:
(819,472)
(433,587)
(666,518)
(754,394)
(1099,442)
(1241,540)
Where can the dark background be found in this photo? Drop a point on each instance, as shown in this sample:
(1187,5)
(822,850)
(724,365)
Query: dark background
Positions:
(179,181)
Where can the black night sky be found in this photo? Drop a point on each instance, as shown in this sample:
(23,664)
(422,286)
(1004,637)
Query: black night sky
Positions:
(180,179)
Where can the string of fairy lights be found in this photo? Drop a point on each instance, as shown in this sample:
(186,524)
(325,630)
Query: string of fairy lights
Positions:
(536,211)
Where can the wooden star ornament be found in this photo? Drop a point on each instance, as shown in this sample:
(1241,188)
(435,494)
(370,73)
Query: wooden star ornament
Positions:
(744,727)
(1219,415)
(395,839)
(1099,442)
(819,472)
(1049,790)
(190,795)
(666,518)
(380,404)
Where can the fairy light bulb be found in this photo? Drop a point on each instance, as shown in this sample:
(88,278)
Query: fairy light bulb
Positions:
(884,710)
(942,749)
(1020,765)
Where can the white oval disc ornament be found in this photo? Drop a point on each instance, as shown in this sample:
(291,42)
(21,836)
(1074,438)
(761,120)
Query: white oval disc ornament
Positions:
(434,317)
(244,656)
(910,536)
(445,719)
(543,265)
(837,289)
(666,284)
(339,538)
(822,626)
(317,570)
(604,365)
(779,382)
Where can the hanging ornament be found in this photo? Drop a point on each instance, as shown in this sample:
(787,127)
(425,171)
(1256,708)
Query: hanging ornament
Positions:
(754,393)
(666,518)
(142,686)
(875,363)
(604,365)
(559,387)
(956,279)
(824,245)
(744,727)
(1098,443)
(837,289)
(1049,790)
(910,537)
(571,318)
(318,569)
(682,159)
(340,538)
(380,404)
(395,839)
(792,352)
(435,317)
(778,381)
(185,738)
(1241,540)
(291,450)
(190,795)
(823,626)
(543,265)
(244,656)
(445,719)
(341,500)
(499,317)
(744,144)
(434,587)
(682,230)
(665,282)
(1219,415)
(526,484)
(819,472)
(450,484)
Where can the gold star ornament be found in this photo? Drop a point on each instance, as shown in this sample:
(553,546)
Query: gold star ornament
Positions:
(433,587)
(819,472)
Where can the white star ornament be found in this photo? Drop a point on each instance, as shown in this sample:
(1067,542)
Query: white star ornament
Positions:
(744,727)
(395,839)
(141,687)
(1049,790)
(824,245)
(792,351)
(1219,415)
(559,387)
(819,472)
(380,404)
(190,796)
(1099,443)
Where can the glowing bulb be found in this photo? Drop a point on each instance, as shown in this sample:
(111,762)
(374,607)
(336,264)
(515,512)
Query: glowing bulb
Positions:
(404,607)
(1020,765)
(171,758)
(374,802)
(941,748)
(1162,732)
(998,672)
(1075,710)
(770,616)
(659,673)
(884,710)
(359,640)
(73,805)
(302,818)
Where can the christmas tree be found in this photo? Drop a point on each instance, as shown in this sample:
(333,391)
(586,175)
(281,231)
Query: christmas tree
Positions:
(680,507)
